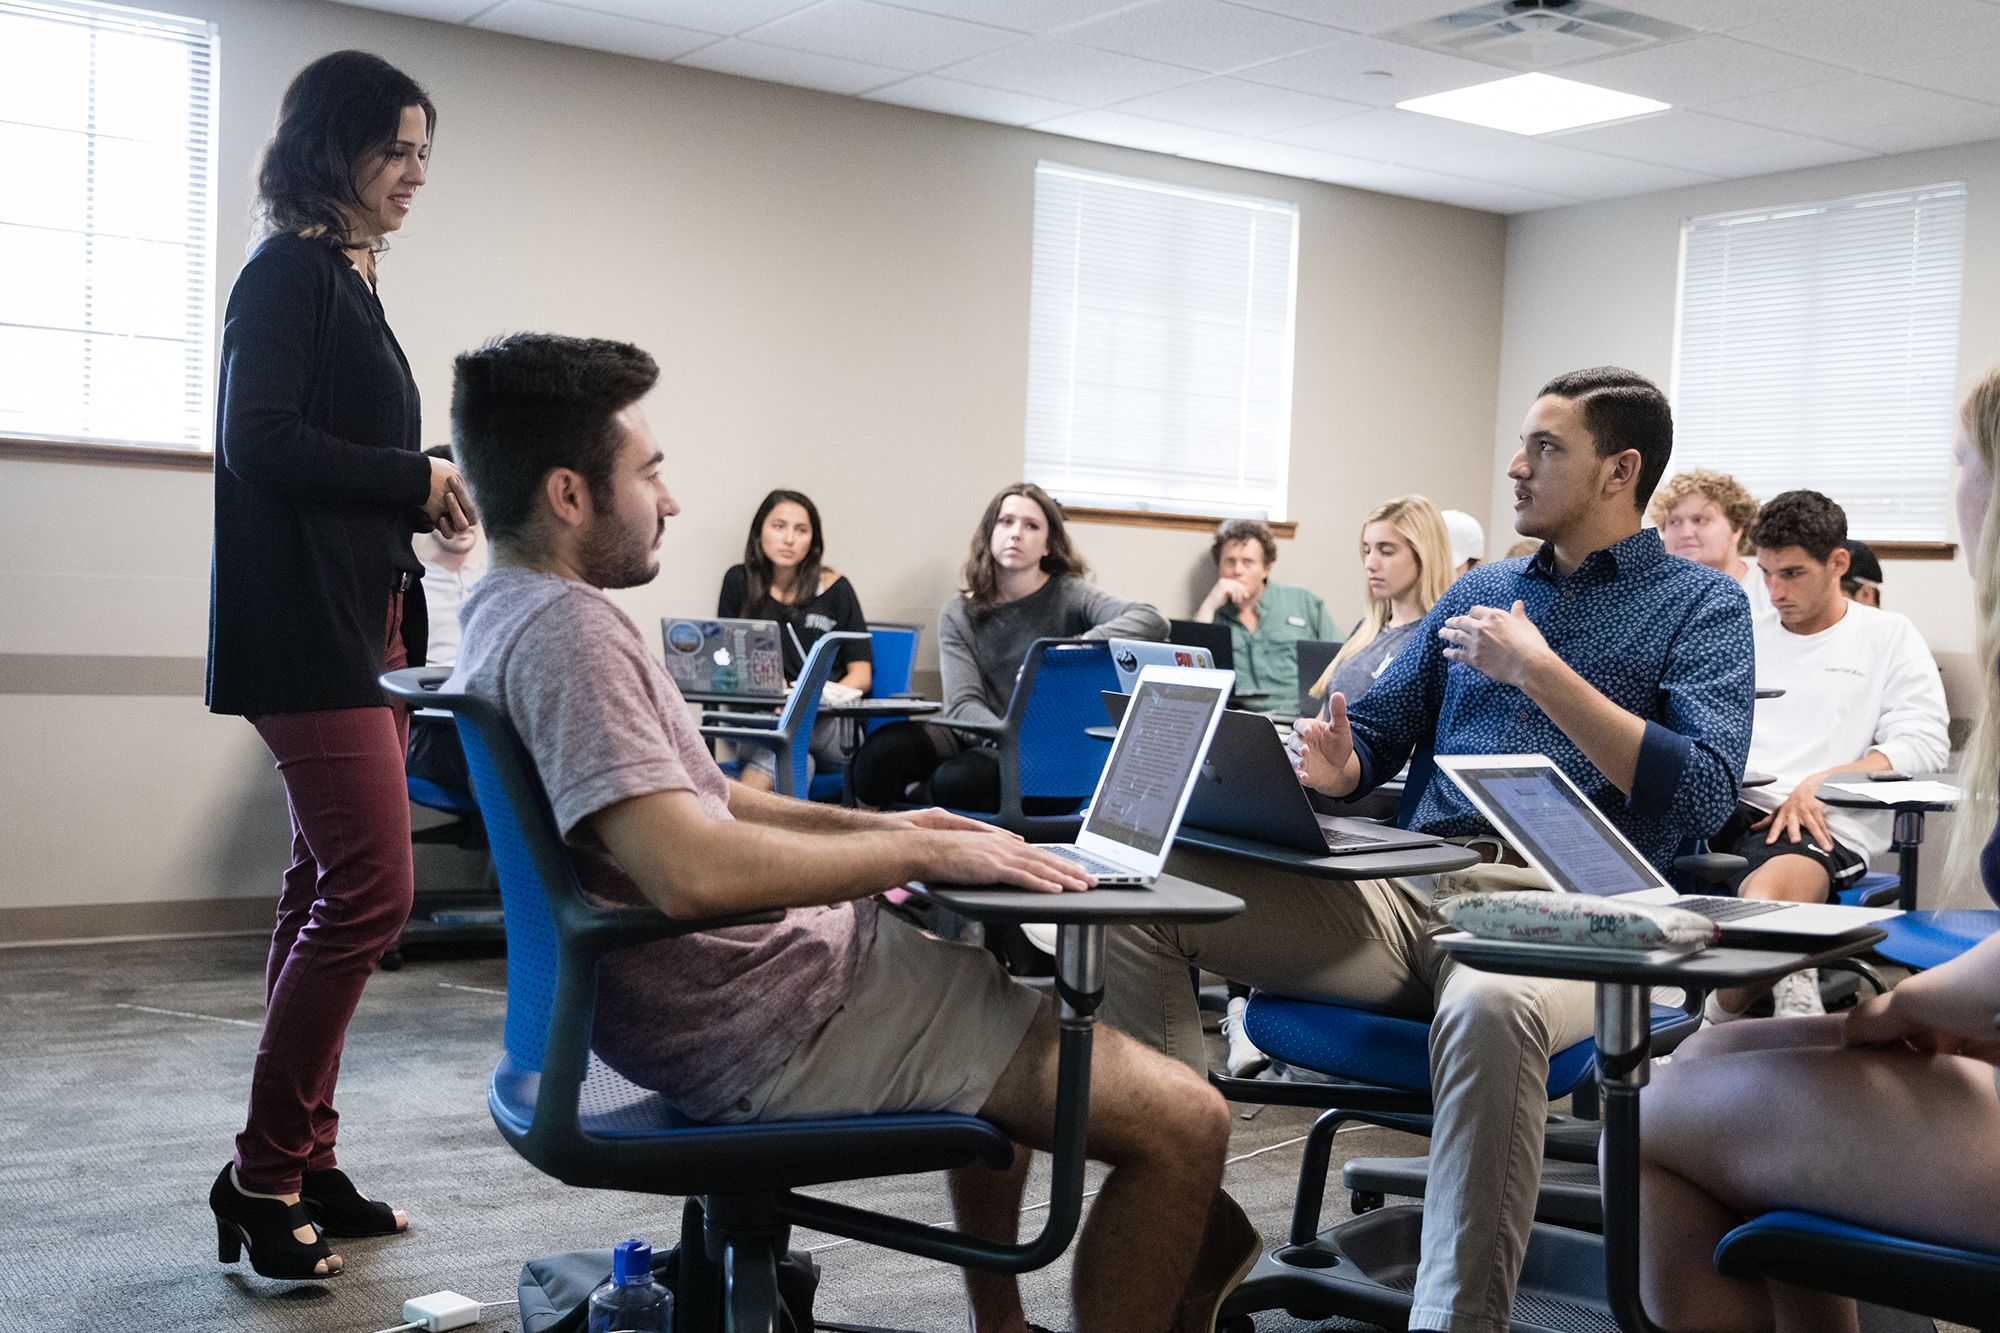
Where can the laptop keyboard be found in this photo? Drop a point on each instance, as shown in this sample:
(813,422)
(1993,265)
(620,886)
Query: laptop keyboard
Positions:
(1342,838)
(1104,870)
(1724,909)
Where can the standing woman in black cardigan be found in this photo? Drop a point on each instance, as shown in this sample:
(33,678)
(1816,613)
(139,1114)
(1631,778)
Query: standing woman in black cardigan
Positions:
(314,592)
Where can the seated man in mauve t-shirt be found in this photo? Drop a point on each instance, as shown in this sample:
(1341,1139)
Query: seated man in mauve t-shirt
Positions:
(836,1009)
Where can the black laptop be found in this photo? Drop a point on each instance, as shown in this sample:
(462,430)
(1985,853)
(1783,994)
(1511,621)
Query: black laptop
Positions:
(1247,789)
(1198,634)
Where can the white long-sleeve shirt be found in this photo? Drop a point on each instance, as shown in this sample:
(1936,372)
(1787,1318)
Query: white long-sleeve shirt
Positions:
(1868,682)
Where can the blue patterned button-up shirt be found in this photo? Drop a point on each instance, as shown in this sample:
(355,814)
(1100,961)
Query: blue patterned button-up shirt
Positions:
(1664,638)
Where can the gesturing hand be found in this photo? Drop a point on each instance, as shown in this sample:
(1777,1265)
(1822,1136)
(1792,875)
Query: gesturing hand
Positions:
(449,506)
(1321,747)
(1504,645)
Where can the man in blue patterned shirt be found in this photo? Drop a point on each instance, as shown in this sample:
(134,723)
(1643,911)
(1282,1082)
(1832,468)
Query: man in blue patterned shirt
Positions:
(1633,670)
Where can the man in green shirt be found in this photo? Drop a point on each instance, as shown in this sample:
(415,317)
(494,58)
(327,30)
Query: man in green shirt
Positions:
(1265,619)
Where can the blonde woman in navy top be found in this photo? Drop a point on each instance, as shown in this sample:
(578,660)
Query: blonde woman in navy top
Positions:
(315,591)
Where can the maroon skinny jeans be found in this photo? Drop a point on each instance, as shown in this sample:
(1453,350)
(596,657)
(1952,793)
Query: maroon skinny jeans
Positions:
(344,901)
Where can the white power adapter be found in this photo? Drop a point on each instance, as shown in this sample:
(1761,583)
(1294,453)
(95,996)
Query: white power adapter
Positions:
(441,1310)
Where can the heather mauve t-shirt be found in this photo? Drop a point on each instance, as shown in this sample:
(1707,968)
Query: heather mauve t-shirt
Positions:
(704,1018)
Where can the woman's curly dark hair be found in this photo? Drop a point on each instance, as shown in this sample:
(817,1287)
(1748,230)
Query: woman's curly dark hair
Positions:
(339,115)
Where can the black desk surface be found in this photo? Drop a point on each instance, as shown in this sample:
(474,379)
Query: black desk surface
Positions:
(1169,899)
(1722,965)
(1361,865)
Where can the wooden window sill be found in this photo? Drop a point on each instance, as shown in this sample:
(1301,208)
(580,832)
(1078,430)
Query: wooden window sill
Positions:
(1913,550)
(124,455)
(1147,518)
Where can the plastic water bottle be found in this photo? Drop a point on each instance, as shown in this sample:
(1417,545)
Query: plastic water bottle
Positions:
(631,1302)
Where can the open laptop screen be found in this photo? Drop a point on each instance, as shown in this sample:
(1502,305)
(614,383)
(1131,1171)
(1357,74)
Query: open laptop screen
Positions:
(1558,829)
(1148,775)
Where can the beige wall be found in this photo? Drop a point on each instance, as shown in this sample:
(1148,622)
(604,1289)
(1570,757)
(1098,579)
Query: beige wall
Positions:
(838,292)
(1597,283)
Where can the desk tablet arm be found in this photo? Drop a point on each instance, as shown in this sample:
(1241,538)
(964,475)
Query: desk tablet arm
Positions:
(753,735)
(994,730)
(715,717)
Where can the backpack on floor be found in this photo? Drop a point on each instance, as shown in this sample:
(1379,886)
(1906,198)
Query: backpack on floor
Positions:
(555,1289)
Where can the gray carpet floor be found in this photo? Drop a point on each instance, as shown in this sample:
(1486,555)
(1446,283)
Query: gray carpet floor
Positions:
(123,1074)
(126,1067)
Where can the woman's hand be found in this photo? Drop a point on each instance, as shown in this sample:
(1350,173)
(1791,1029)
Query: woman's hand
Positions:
(449,507)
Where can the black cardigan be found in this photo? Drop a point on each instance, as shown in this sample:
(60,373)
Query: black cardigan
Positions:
(319,481)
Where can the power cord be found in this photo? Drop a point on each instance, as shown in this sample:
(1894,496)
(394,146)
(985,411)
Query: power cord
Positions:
(442,1310)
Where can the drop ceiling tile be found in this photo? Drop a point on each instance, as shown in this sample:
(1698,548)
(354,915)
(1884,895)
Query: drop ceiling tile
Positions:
(1870,36)
(1911,136)
(1201,34)
(438,11)
(1975,74)
(1277,158)
(1832,110)
(1702,70)
(1369,70)
(1237,107)
(1532,164)
(1031,16)
(1065,73)
(801,69)
(1796,157)
(1718,15)
(1394,136)
(1675,138)
(1155,136)
(1439,188)
(1365,16)
(725,18)
(877,34)
(928,93)
(599,32)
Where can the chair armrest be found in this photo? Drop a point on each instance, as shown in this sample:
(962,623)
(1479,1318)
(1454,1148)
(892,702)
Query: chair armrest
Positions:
(993,729)
(714,717)
(609,928)
(766,735)
(1710,867)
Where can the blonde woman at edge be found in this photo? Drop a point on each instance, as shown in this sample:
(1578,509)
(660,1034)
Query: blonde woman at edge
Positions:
(1406,556)
(1893,1118)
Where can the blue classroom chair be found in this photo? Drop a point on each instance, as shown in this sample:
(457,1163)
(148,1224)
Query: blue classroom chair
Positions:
(575,1119)
(790,735)
(892,649)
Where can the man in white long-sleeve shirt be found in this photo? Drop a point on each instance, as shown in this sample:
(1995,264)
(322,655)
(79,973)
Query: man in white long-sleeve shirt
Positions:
(1861,694)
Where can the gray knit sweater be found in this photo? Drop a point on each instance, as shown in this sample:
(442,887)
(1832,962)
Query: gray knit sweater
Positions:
(981,658)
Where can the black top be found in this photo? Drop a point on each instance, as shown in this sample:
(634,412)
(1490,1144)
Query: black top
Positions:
(835,609)
(319,483)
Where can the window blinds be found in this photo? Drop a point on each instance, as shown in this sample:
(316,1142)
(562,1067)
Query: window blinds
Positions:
(105,127)
(1818,349)
(1160,345)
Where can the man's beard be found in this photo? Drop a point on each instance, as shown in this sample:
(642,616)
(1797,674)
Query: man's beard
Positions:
(613,556)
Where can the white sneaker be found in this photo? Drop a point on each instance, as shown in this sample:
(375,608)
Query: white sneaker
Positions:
(1245,1060)
(1713,1012)
(1797,996)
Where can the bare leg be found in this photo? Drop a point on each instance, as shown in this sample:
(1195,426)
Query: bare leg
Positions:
(1164,1132)
(988,1203)
(1890,1138)
(1791,879)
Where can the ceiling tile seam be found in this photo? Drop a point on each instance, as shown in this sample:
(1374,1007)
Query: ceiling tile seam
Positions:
(582,8)
(944,71)
(1015,33)
(902,72)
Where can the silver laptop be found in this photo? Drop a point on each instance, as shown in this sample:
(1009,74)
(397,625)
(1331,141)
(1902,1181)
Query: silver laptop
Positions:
(741,657)
(1144,788)
(1131,656)
(1576,849)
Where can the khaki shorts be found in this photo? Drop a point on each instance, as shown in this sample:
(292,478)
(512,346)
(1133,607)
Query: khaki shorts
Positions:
(929,1026)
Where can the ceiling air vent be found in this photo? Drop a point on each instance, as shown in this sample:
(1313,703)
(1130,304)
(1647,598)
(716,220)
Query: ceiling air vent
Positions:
(1538,34)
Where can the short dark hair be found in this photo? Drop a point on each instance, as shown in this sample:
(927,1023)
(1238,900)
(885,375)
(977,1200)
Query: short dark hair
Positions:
(1805,519)
(338,112)
(1622,410)
(526,404)
(1245,530)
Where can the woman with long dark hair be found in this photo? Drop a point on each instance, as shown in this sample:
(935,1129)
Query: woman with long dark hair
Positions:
(315,591)
(783,577)
(1023,581)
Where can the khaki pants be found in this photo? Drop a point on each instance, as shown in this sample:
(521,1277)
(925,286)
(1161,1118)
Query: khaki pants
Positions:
(1368,943)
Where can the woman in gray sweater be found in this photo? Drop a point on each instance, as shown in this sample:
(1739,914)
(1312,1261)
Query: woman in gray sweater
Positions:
(1023,581)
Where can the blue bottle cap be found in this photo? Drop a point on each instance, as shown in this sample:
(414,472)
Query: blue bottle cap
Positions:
(632,1263)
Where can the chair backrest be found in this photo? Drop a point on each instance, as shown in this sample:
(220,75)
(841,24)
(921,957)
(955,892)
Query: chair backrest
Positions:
(893,645)
(1313,656)
(1059,695)
(801,710)
(536,877)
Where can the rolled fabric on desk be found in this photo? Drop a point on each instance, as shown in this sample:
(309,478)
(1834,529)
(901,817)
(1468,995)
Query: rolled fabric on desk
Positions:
(1561,918)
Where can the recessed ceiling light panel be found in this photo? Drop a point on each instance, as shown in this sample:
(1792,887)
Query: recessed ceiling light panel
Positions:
(1533,104)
